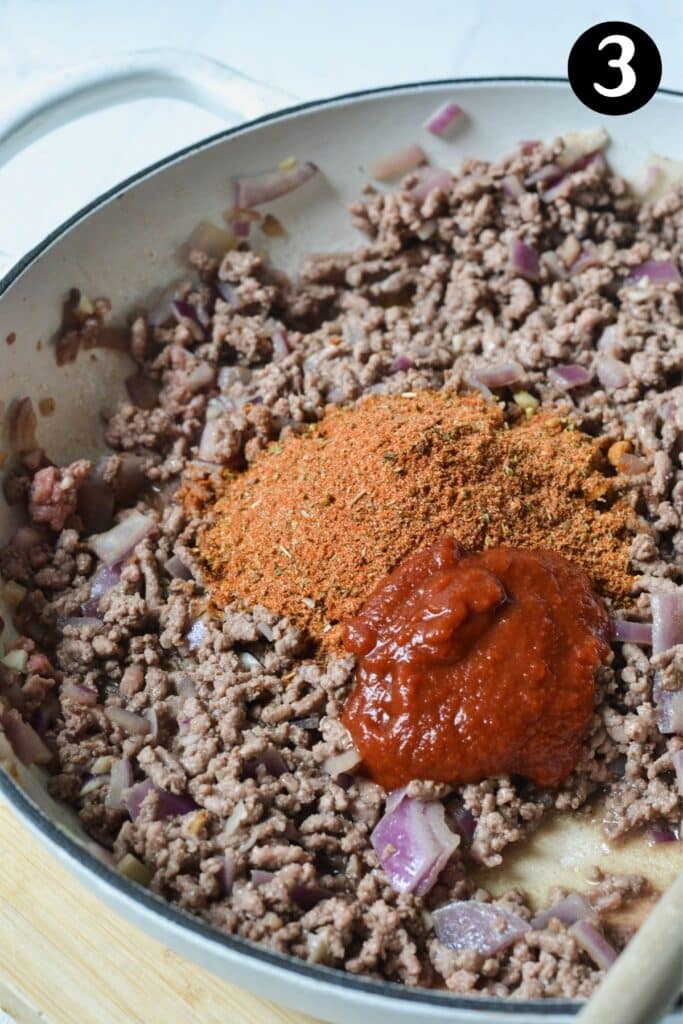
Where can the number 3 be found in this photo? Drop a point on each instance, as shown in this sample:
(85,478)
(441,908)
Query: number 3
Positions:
(628,75)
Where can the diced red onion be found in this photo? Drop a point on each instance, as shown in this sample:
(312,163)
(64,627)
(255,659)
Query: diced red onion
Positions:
(238,815)
(549,172)
(627,632)
(177,568)
(500,375)
(413,844)
(280,344)
(482,927)
(260,877)
(161,311)
(80,693)
(183,310)
(475,381)
(632,465)
(582,146)
(609,339)
(677,761)
(569,375)
(120,778)
(266,631)
(594,943)
(400,364)
(345,762)
(153,719)
(228,292)
(226,875)
(669,707)
(168,804)
(196,635)
(554,264)
(466,823)
(512,186)
(612,373)
(263,188)
(24,740)
(396,164)
(431,178)
(667,620)
(586,258)
(128,721)
(248,661)
(656,272)
(118,542)
(273,762)
(104,578)
(444,118)
(22,423)
(524,260)
(394,799)
(572,908)
(309,896)
(662,835)
(142,391)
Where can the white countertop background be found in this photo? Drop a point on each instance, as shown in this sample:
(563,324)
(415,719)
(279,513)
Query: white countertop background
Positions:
(309,48)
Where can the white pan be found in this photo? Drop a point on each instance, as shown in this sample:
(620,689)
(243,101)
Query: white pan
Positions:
(124,245)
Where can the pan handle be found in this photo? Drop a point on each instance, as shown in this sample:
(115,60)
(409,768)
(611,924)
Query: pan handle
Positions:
(105,82)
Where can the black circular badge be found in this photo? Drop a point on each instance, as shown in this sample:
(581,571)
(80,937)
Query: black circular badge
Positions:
(614,68)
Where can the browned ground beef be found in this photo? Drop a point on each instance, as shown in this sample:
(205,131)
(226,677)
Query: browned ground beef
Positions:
(433,284)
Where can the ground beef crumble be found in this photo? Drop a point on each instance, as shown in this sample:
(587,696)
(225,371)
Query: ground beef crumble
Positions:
(242,714)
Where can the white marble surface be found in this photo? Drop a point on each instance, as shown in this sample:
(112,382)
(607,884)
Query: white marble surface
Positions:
(309,49)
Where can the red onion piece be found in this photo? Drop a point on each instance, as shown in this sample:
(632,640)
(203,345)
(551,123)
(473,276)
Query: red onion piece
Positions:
(667,620)
(226,875)
(142,391)
(120,778)
(153,719)
(612,373)
(594,943)
(656,272)
(260,877)
(309,896)
(677,761)
(500,375)
(104,578)
(475,381)
(24,740)
(609,340)
(626,632)
(177,568)
(183,310)
(586,258)
(196,635)
(572,908)
(400,364)
(569,375)
(22,423)
(444,118)
(118,542)
(662,835)
(80,693)
(512,186)
(524,260)
(273,762)
(482,927)
(413,844)
(396,164)
(632,465)
(280,344)
(549,172)
(161,311)
(262,188)
(669,706)
(466,823)
(228,292)
(128,721)
(431,178)
(554,264)
(168,804)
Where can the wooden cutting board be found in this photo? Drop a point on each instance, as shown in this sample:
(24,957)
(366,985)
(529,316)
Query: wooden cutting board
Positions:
(65,957)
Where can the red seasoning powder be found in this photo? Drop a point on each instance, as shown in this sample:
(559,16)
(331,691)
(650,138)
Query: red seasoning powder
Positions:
(312,526)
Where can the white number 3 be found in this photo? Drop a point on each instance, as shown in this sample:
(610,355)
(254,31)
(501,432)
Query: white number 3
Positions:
(628,75)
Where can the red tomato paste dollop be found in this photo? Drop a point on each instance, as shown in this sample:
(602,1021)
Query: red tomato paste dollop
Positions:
(475,665)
